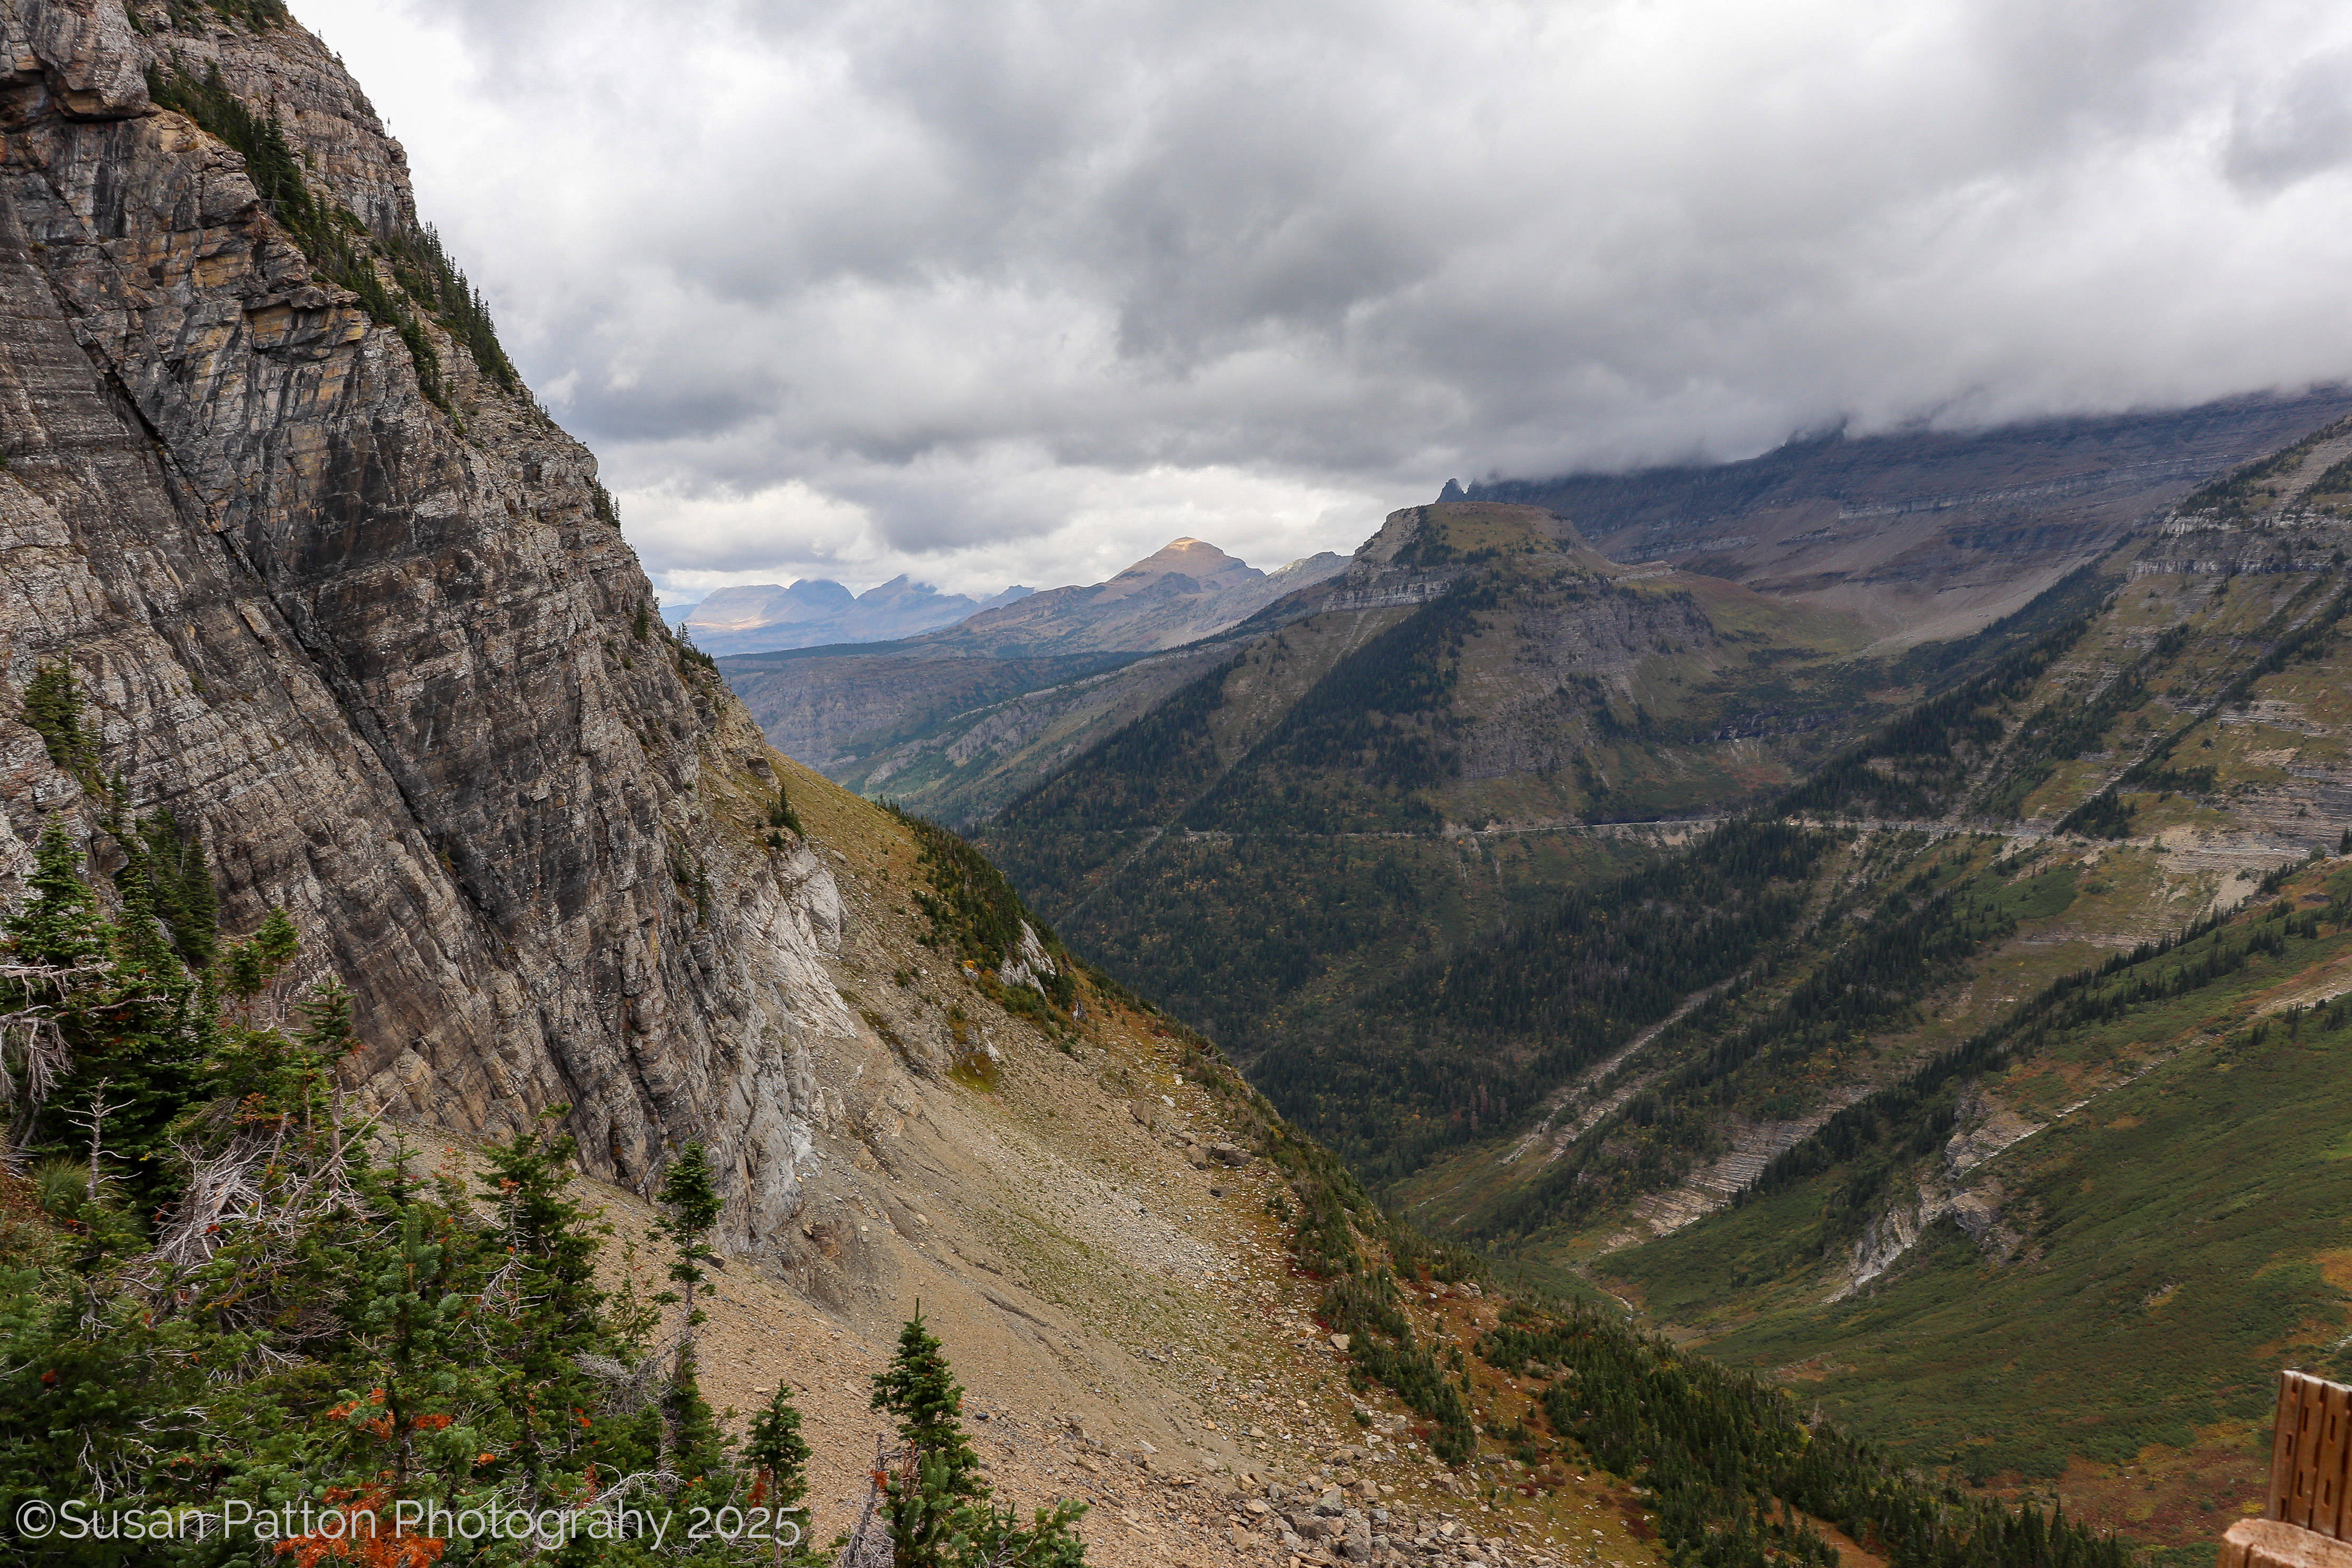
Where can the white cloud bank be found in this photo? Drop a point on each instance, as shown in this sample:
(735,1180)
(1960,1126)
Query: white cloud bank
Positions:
(994,289)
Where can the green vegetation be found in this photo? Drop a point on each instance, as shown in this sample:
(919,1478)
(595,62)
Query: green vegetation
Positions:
(1404,996)
(1382,1348)
(1914,1115)
(115,1035)
(1728,1457)
(1468,1043)
(939,1513)
(782,815)
(1920,763)
(1230,932)
(52,708)
(213,1292)
(1355,751)
(426,274)
(1866,971)
(2155,1259)
(2302,631)
(2243,491)
(340,246)
(178,880)
(189,16)
(975,915)
(2065,728)
(689,1200)
(1147,773)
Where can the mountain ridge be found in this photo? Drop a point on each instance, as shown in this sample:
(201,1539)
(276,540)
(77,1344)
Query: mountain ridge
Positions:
(310,605)
(767,617)
(1920,532)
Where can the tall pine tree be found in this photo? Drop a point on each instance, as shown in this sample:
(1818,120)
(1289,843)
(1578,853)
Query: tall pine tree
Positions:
(690,1205)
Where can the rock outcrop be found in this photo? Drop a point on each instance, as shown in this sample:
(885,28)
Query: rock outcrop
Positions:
(346,601)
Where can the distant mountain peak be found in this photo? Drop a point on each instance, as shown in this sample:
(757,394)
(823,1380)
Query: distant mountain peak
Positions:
(761,617)
(1189,558)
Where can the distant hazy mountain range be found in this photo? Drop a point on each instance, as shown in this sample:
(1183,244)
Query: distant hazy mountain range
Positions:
(1187,590)
(762,617)
(1885,539)
(1184,592)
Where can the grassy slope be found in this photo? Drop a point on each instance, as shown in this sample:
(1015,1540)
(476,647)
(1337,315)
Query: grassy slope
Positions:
(2214,841)
(2183,1234)
(2179,1238)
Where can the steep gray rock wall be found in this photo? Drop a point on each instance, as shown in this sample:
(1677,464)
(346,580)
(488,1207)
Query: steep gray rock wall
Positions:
(390,658)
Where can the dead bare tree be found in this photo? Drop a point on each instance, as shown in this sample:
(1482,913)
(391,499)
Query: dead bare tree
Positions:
(92,1120)
(34,1055)
(869,1543)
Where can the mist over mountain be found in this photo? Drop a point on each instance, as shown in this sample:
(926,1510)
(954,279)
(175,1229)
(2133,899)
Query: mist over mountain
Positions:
(1791,1013)
(1928,533)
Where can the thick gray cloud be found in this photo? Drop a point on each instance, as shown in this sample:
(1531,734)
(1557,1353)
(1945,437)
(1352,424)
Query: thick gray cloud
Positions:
(990,290)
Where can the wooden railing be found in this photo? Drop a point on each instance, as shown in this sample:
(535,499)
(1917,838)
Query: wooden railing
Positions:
(2304,1520)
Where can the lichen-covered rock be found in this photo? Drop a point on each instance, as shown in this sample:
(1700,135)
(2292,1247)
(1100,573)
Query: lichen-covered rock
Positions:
(387,649)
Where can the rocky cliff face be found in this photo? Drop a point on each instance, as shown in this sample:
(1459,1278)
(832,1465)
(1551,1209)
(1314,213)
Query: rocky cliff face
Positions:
(370,626)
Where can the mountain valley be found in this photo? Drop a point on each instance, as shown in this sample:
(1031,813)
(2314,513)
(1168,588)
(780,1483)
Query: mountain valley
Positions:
(959,722)
(1858,1086)
(1781,1016)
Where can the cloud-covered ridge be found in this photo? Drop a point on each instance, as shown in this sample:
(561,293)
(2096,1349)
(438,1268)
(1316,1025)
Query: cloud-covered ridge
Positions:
(991,291)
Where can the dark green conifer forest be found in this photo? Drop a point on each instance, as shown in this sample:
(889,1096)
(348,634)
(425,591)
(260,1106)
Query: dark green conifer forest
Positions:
(224,1293)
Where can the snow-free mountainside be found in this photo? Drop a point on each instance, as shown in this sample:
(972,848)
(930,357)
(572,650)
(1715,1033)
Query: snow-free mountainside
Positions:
(454,1068)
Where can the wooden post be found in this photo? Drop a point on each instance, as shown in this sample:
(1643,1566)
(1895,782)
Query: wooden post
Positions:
(2308,1453)
(2304,1520)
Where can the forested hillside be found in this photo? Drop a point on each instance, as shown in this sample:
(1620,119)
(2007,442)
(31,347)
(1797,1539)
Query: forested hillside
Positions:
(1837,1080)
(1992,1150)
(1316,824)
(1420,760)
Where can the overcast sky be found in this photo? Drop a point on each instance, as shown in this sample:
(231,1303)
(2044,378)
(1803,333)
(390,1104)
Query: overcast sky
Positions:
(994,290)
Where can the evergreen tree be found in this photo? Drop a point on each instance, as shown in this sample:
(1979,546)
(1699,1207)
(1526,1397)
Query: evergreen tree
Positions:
(939,1510)
(59,944)
(781,1458)
(178,875)
(61,925)
(246,969)
(53,708)
(548,1311)
(920,1389)
(689,1197)
(125,1013)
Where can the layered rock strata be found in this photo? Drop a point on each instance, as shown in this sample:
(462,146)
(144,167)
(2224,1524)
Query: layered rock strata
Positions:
(372,632)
